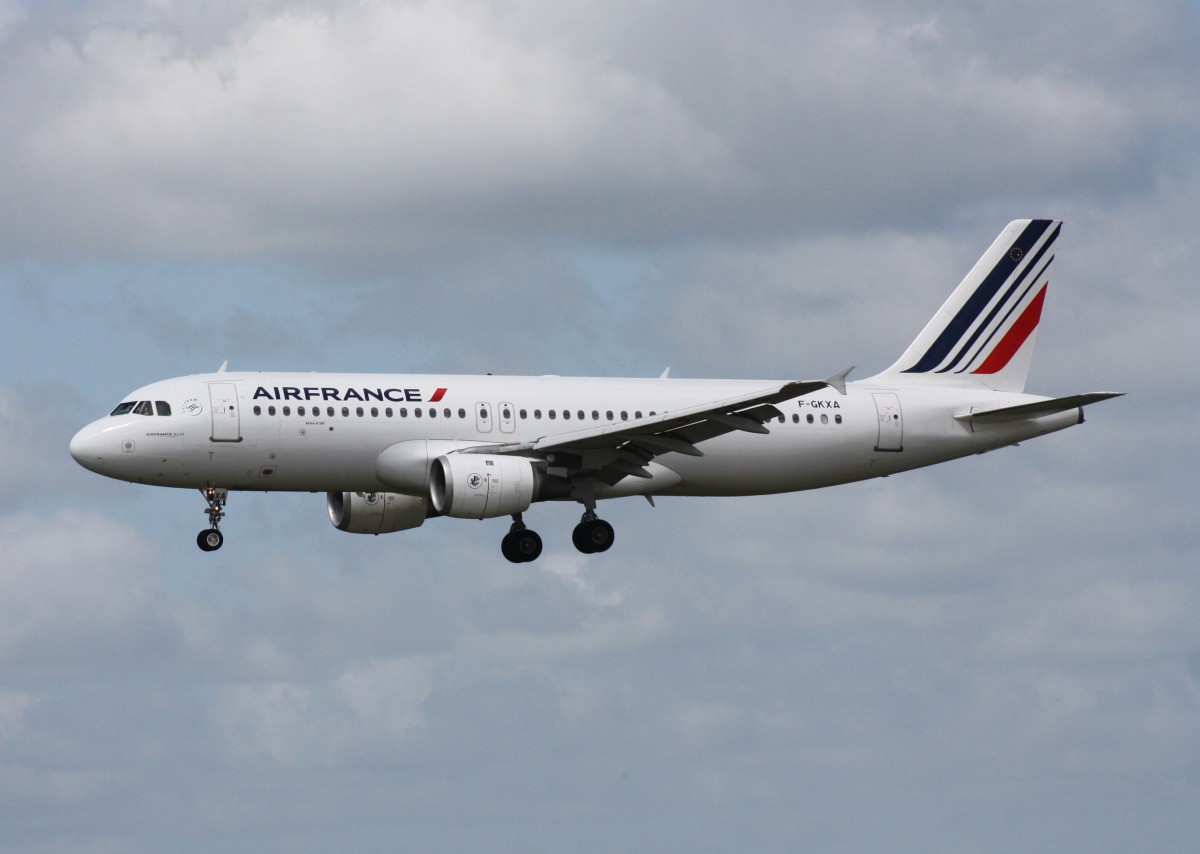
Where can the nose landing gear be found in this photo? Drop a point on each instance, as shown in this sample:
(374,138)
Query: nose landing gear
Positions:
(211,539)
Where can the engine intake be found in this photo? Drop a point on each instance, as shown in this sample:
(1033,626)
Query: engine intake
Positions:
(479,486)
(376,512)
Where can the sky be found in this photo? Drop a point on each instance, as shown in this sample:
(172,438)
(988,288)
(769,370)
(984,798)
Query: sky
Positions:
(997,654)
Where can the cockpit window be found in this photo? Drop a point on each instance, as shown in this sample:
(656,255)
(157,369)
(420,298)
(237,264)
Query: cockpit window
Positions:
(124,408)
(163,407)
(144,407)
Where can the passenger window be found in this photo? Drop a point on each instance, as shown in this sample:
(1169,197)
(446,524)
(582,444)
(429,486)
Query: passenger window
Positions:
(637,414)
(359,412)
(124,408)
(523,414)
(258,410)
(345,411)
(163,407)
(624,415)
(837,419)
(537,415)
(506,413)
(824,418)
(551,414)
(595,415)
(483,412)
(329,411)
(810,418)
(403,411)
(374,411)
(300,411)
(388,412)
(566,415)
(795,418)
(462,413)
(417,412)
(270,410)
(433,412)
(580,414)
(287,411)
(609,415)
(143,408)
(446,413)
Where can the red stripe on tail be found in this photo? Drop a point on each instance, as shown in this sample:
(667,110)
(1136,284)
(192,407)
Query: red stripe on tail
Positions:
(1011,342)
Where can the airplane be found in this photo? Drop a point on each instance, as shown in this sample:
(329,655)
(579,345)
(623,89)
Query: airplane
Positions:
(394,450)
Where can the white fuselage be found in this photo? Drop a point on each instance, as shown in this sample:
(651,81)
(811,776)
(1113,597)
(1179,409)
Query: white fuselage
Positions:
(325,432)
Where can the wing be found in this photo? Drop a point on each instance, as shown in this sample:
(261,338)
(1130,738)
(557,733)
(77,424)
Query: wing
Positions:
(614,451)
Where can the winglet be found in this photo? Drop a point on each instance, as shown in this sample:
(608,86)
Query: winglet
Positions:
(838,380)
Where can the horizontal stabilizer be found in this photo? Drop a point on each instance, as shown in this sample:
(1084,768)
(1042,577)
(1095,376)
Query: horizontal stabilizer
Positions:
(1035,410)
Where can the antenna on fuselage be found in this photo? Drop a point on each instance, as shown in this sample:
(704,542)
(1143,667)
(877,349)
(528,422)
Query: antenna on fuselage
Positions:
(224,365)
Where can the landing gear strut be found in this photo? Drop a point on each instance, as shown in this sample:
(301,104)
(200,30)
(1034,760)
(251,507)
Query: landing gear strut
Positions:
(592,534)
(211,539)
(520,545)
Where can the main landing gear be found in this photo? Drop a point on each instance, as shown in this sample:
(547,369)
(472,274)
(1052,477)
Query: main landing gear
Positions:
(521,545)
(211,539)
(592,534)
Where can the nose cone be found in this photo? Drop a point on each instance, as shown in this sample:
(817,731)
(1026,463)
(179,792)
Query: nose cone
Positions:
(87,448)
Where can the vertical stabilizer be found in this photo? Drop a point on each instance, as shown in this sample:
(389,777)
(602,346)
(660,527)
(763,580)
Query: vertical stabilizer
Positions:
(985,331)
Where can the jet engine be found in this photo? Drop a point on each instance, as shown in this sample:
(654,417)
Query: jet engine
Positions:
(375,512)
(479,486)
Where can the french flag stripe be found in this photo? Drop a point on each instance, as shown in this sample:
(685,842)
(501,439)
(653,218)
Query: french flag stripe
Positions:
(1016,336)
(960,325)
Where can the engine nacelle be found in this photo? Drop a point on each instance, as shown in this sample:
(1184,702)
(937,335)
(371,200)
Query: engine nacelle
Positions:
(479,486)
(404,466)
(376,512)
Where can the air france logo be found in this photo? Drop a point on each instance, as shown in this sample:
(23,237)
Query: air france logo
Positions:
(342,395)
(192,406)
(474,481)
(372,498)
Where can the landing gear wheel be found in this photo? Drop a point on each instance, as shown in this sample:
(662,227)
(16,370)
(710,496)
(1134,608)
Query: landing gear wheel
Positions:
(210,540)
(521,546)
(528,545)
(593,535)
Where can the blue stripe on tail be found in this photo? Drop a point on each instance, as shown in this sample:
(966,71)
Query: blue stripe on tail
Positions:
(979,300)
